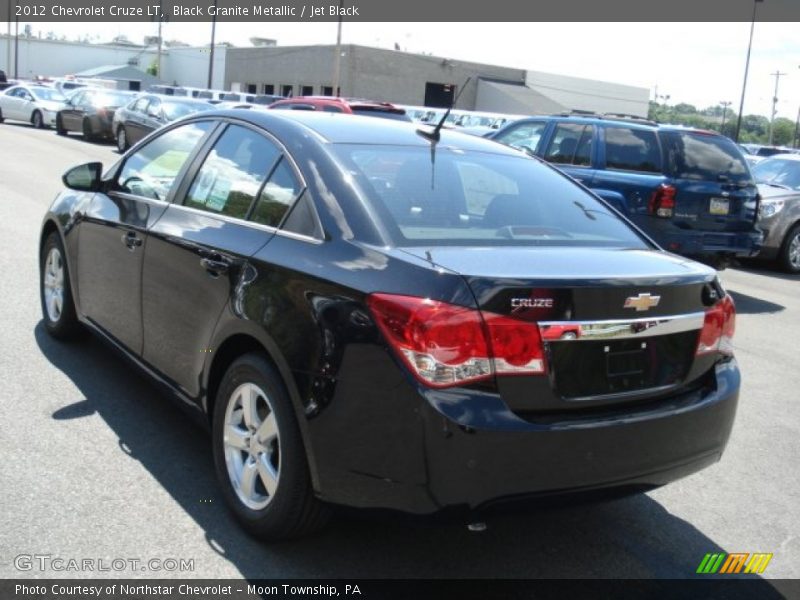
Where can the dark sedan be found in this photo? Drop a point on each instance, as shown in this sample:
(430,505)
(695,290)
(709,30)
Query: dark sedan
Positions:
(371,315)
(91,112)
(147,113)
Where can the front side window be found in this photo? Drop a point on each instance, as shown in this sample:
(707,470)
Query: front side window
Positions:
(630,149)
(468,198)
(571,145)
(525,136)
(233,173)
(140,105)
(152,170)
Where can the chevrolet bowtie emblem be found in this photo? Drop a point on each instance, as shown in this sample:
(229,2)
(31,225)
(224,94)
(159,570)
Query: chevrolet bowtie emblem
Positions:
(642,302)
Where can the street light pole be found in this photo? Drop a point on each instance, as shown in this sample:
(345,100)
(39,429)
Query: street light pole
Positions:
(746,68)
(211,53)
(8,42)
(337,60)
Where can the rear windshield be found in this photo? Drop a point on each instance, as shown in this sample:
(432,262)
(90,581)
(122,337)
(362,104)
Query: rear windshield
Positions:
(377,111)
(43,93)
(778,171)
(470,198)
(704,157)
(111,99)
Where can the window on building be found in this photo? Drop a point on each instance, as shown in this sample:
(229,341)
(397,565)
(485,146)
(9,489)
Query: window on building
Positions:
(307,90)
(269,89)
(287,90)
(327,90)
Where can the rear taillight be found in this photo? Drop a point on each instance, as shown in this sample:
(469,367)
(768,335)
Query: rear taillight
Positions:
(718,328)
(662,202)
(447,345)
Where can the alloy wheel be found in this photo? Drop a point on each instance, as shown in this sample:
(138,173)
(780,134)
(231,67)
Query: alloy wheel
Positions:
(793,252)
(54,284)
(252,446)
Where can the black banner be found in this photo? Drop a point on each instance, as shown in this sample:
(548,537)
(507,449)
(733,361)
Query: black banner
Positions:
(398,11)
(368,589)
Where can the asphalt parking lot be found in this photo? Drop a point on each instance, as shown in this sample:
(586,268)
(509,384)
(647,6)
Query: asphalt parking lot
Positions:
(97,463)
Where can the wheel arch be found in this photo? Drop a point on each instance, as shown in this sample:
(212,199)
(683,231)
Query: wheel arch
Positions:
(233,342)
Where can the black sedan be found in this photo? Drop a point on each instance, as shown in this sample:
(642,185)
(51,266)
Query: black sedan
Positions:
(372,315)
(148,112)
(91,112)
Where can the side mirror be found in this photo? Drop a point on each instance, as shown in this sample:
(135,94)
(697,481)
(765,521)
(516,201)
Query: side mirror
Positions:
(84,178)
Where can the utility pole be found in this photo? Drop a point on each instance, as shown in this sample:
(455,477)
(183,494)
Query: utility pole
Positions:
(337,60)
(725,104)
(16,47)
(8,42)
(158,55)
(777,75)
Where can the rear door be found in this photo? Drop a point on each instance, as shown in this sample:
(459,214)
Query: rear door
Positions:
(572,148)
(629,169)
(715,191)
(113,232)
(196,260)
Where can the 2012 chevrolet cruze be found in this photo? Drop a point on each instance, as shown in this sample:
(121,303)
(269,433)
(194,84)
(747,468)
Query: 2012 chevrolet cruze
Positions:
(372,315)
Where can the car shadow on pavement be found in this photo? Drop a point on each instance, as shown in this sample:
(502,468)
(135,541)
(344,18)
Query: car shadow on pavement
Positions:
(750,305)
(633,537)
(767,269)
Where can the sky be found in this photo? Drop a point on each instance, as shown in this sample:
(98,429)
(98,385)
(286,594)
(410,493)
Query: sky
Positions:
(697,63)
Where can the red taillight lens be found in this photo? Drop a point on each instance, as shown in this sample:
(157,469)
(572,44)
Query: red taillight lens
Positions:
(718,328)
(662,202)
(446,345)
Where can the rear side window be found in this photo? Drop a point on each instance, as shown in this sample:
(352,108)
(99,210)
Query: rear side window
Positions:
(233,173)
(632,150)
(704,157)
(571,145)
(277,196)
(525,136)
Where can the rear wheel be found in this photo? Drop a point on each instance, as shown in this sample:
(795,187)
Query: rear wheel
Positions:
(60,126)
(87,131)
(789,257)
(58,309)
(1,116)
(36,119)
(122,139)
(259,457)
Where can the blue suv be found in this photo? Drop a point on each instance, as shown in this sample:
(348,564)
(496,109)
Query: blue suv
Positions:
(690,190)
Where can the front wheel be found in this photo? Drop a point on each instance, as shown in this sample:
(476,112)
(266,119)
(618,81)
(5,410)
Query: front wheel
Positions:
(259,457)
(789,257)
(122,140)
(36,119)
(58,308)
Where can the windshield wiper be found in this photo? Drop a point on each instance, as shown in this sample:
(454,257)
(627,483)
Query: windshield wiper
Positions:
(777,185)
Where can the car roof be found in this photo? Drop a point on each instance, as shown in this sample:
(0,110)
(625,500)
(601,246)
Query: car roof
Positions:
(634,123)
(338,128)
(784,156)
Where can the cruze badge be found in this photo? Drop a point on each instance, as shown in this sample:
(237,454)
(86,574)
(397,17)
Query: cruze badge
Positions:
(531,303)
(642,302)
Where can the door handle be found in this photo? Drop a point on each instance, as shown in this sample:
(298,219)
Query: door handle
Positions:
(131,241)
(214,267)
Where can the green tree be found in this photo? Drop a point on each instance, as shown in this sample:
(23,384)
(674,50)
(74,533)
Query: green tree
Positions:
(782,132)
(153,69)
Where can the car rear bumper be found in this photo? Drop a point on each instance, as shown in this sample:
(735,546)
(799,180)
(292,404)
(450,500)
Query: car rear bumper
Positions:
(742,244)
(444,450)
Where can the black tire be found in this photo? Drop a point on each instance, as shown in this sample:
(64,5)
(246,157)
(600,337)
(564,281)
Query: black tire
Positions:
(36,119)
(122,139)
(88,136)
(789,256)
(63,323)
(1,116)
(60,126)
(292,510)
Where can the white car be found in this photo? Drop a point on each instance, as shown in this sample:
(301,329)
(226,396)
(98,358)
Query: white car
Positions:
(35,104)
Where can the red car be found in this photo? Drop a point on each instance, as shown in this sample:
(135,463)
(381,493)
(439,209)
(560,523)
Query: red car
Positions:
(353,106)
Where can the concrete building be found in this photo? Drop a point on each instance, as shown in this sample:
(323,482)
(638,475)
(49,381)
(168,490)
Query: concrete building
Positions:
(375,73)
